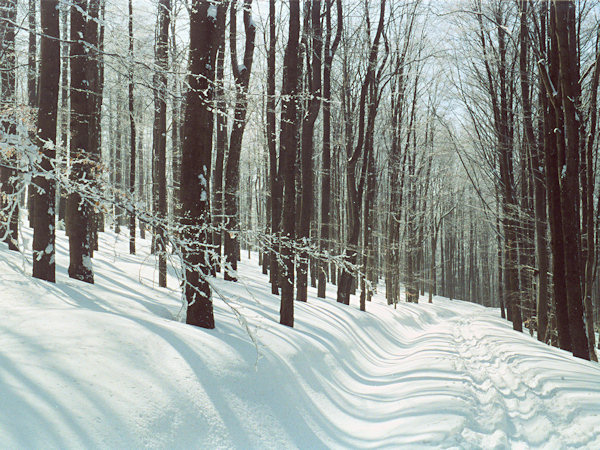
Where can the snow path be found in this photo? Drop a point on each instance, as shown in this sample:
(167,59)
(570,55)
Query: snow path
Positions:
(106,366)
(515,403)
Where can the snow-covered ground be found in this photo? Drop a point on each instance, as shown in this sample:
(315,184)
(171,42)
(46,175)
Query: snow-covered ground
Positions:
(107,366)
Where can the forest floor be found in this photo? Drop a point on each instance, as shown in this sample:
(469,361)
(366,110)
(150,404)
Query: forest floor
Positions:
(109,366)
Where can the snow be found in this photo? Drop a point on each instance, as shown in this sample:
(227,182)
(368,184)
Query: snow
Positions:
(107,366)
(212,12)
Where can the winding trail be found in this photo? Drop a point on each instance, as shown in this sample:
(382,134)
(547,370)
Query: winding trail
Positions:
(514,405)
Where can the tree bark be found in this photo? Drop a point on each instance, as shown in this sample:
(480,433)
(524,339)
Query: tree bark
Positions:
(355,190)
(535,167)
(32,80)
(9,224)
(314,58)
(287,154)
(132,137)
(275,184)
(241,75)
(196,160)
(569,80)
(44,194)
(160,136)
(78,209)
(221,148)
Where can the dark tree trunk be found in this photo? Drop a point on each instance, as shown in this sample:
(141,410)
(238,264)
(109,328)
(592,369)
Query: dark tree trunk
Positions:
(241,75)
(9,224)
(221,149)
(275,184)
(543,300)
(314,58)
(78,208)
(196,160)
(287,154)
(94,81)
(588,202)
(511,272)
(44,194)
(360,151)
(160,137)
(553,143)
(569,80)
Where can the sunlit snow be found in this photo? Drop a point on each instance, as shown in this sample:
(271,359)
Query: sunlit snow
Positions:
(107,366)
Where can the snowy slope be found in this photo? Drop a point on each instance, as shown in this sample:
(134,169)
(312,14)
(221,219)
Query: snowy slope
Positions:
(107,366)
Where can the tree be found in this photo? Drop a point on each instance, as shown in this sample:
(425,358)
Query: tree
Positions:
(330,50)
(32,80)
(535,163)
(221,147)
(159,145)
(32,74)
(287,155)
(275,182)
(196,159)
(241,74)
(355,177)
(313,62)
(44,194)
(78,208)
(553,143)
(9,230)
(571,197)
(132,135)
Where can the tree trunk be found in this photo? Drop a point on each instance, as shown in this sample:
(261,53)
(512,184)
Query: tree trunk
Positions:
(64,113)
(132,137)
(221,149)
(79,210)
(308,128)
(32,80)
(287,154)
(196,160)
(44,194)
(569,80)
(9,224)
(275,184)
(160,137)
(241,75)
(533,151)
(360,151)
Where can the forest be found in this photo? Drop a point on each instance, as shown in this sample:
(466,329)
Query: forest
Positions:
(349,149)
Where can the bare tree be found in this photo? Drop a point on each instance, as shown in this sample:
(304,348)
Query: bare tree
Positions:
(241,74)
(196,159)
(287,155)
(160,134)
(9,230)
(44,194)
(132,134)
(78,209)
(355,182)
(314,42)
(330,50)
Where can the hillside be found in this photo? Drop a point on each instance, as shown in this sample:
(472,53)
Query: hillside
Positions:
(108,366)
